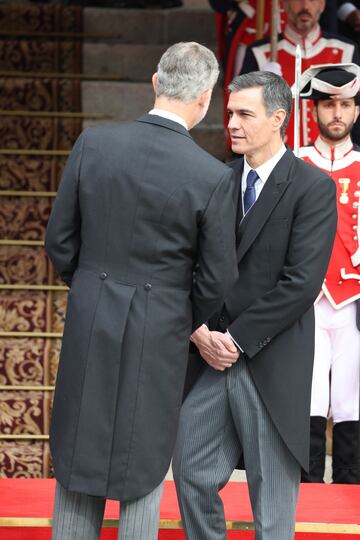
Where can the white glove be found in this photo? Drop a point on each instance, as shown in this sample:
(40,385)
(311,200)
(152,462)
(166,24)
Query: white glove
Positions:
(274,67)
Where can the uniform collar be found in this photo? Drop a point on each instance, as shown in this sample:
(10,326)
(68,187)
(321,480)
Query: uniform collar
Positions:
(333,152)
(305,43)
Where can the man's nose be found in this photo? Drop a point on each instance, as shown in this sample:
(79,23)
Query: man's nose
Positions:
(337,110)
(233,122)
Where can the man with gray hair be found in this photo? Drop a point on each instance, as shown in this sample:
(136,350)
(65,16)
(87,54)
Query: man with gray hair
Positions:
(253,397)
(143,232)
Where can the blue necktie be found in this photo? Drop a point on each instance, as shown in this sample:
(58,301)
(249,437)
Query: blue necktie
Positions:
(250,193)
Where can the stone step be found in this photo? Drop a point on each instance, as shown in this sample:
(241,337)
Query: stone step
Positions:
(129,62)
(135,63)
(155,26)
(196,4)
(126,101)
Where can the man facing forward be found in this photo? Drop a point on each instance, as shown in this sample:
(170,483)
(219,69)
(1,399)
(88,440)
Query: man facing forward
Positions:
(335,91)
(254,398)
(142,231)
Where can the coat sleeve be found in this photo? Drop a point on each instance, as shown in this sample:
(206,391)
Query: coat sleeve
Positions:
(62,239)
(308,253)
(216,268)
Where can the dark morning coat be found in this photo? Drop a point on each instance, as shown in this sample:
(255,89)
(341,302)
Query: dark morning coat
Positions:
(284,246)
(142,230)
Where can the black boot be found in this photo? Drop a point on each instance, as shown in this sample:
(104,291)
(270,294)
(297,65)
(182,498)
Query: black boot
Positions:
(346,453)
(317,451)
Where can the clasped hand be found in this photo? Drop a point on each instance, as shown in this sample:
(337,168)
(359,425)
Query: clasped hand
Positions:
(216,348)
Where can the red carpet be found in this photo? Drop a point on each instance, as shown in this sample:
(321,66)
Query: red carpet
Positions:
(329,512)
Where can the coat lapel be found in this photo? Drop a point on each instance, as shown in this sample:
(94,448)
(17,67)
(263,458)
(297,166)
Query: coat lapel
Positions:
(238,166)
(273,190)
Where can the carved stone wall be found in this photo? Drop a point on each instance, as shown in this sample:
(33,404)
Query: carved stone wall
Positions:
(28,362)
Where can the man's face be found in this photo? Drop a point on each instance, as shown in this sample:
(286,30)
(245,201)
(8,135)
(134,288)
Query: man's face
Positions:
(335,117)
(303,15)
(251,129)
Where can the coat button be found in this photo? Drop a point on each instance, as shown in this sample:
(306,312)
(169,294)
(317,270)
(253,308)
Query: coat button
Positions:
(147,286)
(103,275)
(340,282)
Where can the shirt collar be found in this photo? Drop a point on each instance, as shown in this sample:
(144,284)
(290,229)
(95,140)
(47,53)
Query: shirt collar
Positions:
(170,116)
(266,168)
(305,42)
(333,152)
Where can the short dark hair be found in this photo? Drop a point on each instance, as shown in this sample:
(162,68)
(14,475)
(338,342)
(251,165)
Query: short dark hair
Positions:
(276,92)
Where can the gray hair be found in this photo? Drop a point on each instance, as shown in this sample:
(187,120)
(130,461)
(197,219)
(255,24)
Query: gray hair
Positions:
(276,92)
(185,71)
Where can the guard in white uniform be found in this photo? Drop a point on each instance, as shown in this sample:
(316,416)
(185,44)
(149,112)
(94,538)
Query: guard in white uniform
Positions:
(335,386)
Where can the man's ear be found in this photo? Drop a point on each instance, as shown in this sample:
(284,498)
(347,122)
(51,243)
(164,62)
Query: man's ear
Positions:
(205,98)
(357,110)
(279,118)
(154,80)
(315,113)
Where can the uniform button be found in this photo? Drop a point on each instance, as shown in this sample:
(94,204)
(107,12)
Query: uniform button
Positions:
(355,204)
(103,275)
(358,184)
(354,216)
(340,282)
(147,286)
(355,227)
(357,193)
(355,237)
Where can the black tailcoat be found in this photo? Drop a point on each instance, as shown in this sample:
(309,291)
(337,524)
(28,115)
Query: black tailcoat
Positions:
(284,246)
(142,230)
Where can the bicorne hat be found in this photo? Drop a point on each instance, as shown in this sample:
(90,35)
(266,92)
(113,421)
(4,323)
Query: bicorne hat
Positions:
(330,81)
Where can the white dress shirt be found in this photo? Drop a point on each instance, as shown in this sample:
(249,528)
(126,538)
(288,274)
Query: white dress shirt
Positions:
(263,172)
(170,116)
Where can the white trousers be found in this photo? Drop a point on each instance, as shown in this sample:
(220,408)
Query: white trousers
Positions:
(336,374)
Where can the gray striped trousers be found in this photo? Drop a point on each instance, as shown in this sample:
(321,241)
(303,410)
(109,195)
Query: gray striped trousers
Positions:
(78,516)
(222,417)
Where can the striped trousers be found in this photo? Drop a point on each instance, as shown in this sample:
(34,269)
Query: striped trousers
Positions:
(78,516)
(222,417)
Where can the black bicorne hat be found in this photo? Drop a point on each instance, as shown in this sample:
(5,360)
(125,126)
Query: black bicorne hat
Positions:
(330,81)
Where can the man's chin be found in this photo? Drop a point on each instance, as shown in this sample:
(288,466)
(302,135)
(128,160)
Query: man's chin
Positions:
(237,147)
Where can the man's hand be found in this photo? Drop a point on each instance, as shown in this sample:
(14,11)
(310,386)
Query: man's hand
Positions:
(217,349)
(354,20)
